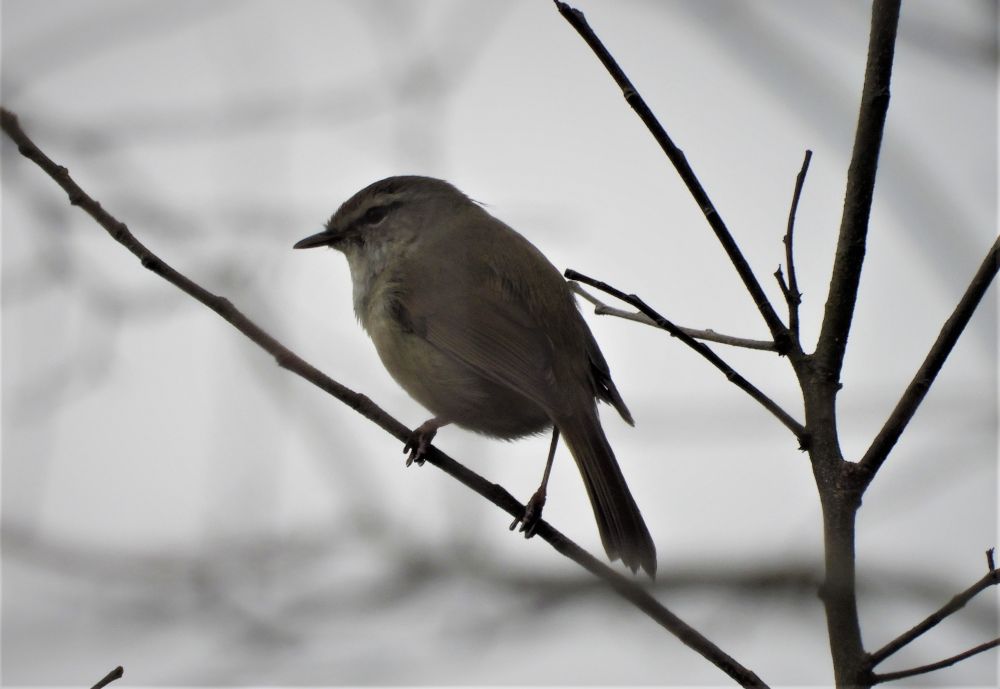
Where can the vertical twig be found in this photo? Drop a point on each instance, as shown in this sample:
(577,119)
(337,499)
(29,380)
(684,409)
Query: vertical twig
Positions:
(792,294)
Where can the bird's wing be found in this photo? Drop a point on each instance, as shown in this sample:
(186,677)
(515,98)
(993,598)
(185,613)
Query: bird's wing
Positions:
(604,387)
(493,319)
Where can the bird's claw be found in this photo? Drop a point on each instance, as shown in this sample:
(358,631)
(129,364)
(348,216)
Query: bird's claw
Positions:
(532,516)
(418,444)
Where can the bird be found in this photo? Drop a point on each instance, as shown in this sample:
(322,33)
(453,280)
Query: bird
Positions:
(480,328)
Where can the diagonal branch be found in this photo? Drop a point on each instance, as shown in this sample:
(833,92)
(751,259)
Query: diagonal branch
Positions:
(850,254)
(735,378)
(602,309)
(775,326)
(879,678)
(991,578)
(649,605)
(929,369)
(285,358)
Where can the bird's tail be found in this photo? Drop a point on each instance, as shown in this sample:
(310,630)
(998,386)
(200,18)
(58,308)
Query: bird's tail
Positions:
(623,531)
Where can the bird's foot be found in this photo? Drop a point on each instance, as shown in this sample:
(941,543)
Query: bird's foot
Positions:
(419,442)
(532,514)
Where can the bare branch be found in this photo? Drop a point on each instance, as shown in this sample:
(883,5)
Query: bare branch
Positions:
(649,605)
(792,295)
(929,369)
(819,373)
(924,669)
(780,277)
(117,673)
(285,358)
(775,326)
(709,335)
(991,578)
(850,254)
(602,309)
(739,381)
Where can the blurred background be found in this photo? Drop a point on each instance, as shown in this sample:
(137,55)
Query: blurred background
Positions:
(175,503)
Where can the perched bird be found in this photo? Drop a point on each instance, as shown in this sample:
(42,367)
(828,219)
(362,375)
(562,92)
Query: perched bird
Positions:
(481,329)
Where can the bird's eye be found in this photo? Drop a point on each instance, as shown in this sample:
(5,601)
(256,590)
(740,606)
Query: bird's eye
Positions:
(375,215)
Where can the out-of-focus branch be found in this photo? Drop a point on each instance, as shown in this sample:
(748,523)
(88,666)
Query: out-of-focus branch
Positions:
(929,369)
(850,254)
(777,329)
(602,309)
(735,378)
(285,358)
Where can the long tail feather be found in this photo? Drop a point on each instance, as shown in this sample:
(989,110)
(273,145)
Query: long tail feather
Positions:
(622,528)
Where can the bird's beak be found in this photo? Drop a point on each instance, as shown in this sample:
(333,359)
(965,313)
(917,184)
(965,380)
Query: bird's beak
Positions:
(324,238)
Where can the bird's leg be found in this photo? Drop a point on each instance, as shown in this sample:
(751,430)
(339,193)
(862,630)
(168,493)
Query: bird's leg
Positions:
(420,440)
(533,510)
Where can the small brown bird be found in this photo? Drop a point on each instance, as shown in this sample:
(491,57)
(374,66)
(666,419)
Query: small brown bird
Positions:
(481,329)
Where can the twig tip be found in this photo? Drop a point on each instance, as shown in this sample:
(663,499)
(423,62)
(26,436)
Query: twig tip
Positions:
(566,10)
(990,562)
(117,673)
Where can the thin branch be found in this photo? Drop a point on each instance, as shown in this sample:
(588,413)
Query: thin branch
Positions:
(649,605)
(850,253)
(924,669)
(991,578)
(785,291)
(677,158)
(602,309)
(285,358)
(929,369)
(117,673)
(792,295)
(739,381)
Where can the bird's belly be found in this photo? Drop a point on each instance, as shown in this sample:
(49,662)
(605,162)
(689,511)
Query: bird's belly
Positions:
(450,388)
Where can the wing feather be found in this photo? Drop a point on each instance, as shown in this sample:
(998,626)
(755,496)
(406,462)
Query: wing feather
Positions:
(499,315)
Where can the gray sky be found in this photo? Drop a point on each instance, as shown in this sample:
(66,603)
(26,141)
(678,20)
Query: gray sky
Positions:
(175,503)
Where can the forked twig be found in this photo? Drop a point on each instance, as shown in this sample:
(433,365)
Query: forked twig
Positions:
(991,578)
(735,378)
(777,329)
(602,309)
